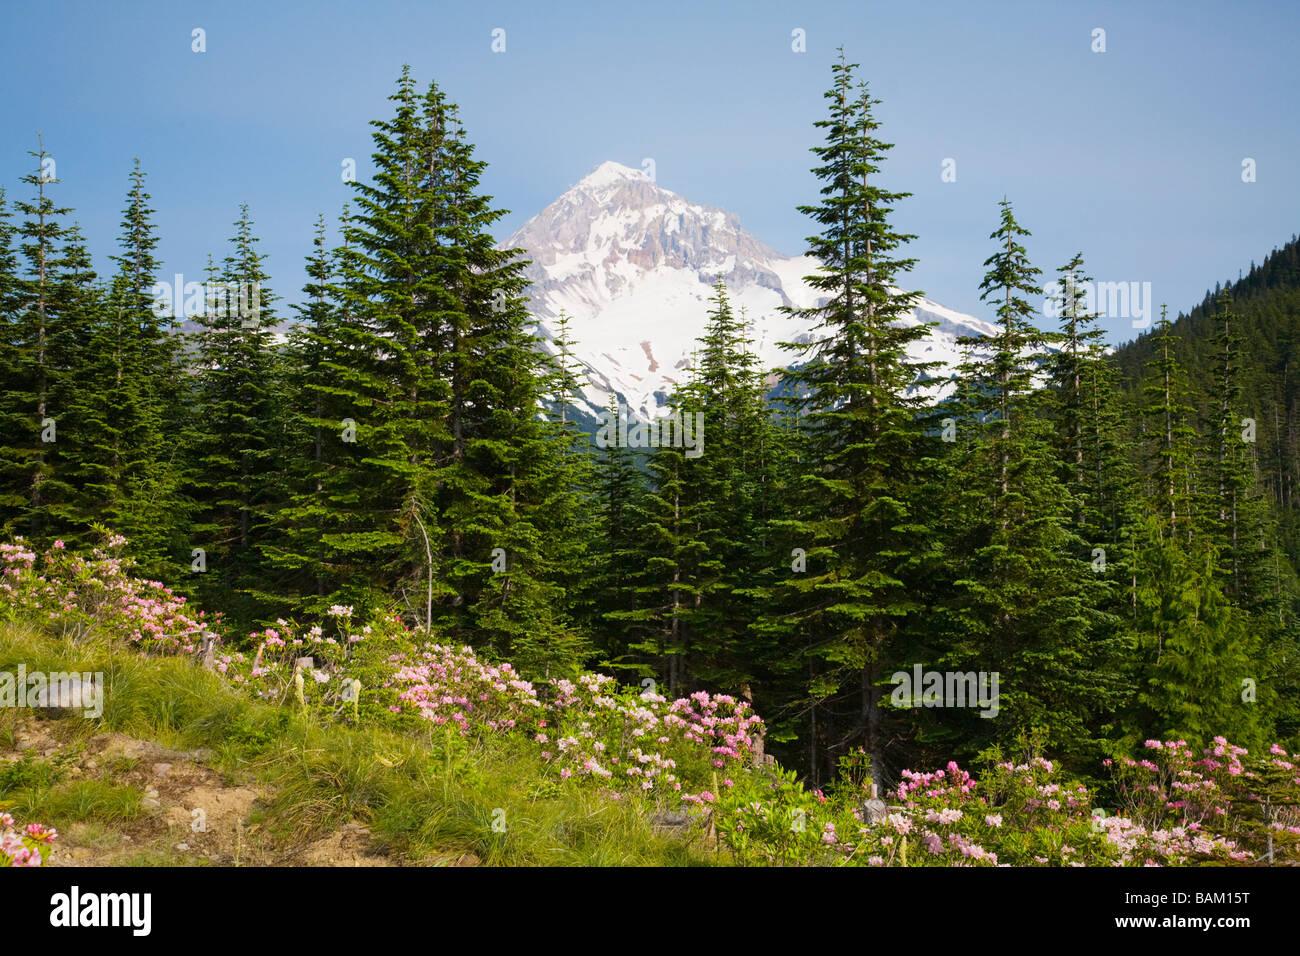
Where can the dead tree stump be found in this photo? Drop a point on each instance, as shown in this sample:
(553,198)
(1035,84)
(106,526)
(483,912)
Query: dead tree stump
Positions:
(208,650)
(875,809)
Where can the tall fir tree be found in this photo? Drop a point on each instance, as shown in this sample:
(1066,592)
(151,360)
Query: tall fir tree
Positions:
(1199,666)
(448,385)
(309,446)
(1171,452)
(701,520)
(733,475)
(618,485)
(153,510)
(72,384)
(1234,513)
(567,517)
(239,408)
(668,581)
(130,408)
(862,539)
(1027,601)
(25,455)
(13,413)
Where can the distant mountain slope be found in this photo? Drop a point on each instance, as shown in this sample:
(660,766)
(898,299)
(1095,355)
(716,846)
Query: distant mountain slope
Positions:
(1268,303)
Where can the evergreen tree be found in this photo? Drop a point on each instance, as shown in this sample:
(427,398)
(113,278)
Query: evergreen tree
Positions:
(14,418)
(668,579)
(25,457)
(567,518)
(390,386)
(453,456)
(71,384)
(495,478)
(1197,649)
(1236,513)
(327,527)
(1074,382)
(862,539)
(733,477)
(128,408)
(309,445)
(1027,600)
(701,522)
(617,487)
(1171,448)
(239,408)
(153,512)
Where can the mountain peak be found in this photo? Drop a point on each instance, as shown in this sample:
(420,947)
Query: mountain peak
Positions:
(633,266)
(610,173)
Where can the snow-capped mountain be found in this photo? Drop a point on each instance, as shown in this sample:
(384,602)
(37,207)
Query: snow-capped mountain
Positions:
(633,264)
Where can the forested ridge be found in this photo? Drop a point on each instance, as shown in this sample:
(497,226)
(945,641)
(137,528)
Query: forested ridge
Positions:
(1111,534)
(1267,300)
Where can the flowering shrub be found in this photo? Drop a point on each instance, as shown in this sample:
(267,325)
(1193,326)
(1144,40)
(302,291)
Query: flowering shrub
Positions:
(585,728)
(379,671)
(1015,815)
(1253,799)
(447,685)
(1150,790)
(80,596)
(644,742)
(351,672)
(29,846)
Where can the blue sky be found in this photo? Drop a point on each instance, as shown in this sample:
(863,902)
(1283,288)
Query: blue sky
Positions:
(1133,156)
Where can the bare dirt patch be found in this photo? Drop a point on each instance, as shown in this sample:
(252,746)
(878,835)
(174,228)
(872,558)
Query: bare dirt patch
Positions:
(190,812)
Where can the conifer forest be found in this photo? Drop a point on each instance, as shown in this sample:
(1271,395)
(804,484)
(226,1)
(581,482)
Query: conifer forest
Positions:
(393,549)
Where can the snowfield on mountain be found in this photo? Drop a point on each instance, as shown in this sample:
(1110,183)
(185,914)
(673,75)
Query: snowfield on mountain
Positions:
(632,264)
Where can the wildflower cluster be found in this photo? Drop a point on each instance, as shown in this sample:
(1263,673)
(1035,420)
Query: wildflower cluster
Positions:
(1022,814)
(449,685)
(645,742)
(80,596)
(336,667)
(1251,800)
(584,728)
(24,846)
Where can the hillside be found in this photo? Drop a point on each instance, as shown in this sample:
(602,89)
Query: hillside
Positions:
(182,769)
(1267,302)
(171,754)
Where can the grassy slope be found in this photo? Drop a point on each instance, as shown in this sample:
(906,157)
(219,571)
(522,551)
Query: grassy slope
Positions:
(425,801)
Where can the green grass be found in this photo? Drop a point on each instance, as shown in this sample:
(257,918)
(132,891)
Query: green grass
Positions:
(79,801)
(426,799)
(28,773)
